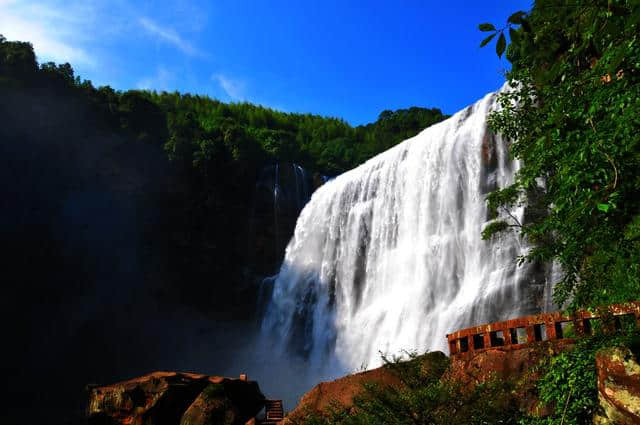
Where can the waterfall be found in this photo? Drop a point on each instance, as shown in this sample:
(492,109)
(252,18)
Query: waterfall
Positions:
(388,256)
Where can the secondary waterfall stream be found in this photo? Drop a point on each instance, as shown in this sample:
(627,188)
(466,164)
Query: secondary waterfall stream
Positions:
(388,256)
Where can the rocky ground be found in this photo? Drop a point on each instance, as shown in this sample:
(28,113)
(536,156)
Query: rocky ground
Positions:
(170,398)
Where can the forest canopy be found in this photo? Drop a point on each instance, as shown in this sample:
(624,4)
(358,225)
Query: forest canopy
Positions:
(198,131)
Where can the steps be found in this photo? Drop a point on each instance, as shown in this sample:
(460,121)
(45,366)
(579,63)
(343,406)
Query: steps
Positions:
(274,412)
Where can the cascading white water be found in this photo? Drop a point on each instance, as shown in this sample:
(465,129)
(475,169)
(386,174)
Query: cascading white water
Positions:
(389,257)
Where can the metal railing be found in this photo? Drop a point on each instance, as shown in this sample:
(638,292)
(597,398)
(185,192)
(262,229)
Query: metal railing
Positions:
(515,333)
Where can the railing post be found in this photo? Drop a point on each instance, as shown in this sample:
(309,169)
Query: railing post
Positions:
(531,333)
(487,338)
(551,330)
(506,334)
(453,346)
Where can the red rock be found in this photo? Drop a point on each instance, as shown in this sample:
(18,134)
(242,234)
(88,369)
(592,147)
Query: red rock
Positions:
(515,365)
(500,363)
(341,392)
(618,387)
(172,398)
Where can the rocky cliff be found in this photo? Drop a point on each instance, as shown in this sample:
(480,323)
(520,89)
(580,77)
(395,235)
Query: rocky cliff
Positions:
(174,398)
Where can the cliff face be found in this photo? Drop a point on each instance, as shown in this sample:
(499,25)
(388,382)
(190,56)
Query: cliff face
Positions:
(172,398)
(108,251)
(281,191)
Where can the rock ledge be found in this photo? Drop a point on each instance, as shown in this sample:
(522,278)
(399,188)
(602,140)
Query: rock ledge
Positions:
(172,398)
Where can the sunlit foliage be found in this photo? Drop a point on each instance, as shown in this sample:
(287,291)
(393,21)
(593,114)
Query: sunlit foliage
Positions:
(574,118)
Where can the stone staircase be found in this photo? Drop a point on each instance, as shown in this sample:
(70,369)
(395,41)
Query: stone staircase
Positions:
(274,412)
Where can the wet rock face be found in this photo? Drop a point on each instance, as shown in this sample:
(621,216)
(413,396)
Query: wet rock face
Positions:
(618,387)
(282,190)
(171,398)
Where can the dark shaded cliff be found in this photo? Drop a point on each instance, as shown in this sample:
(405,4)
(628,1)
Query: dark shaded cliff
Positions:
(136,228)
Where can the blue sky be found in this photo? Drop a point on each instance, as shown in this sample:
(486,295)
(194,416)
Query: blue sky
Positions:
(349,59)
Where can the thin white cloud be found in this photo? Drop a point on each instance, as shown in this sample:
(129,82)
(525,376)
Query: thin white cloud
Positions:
(168,35)
(55,36)
(160,81)
(235,89)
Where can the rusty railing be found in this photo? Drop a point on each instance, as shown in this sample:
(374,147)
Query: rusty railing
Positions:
(515,333)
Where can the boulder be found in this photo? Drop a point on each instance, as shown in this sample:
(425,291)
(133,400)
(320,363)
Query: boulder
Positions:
(174,398)
(618,387)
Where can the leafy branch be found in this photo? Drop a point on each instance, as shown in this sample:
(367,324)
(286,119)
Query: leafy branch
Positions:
(516,19)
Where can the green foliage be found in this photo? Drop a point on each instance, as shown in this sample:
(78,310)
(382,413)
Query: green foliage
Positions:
(254,134)
(17,61)
(517,18)
(213,391)
(248,134)
(569,381)
(572,114)
(494,227)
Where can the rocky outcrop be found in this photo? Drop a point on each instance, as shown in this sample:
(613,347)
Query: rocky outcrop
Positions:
(618,387)
(173,398)
(342,391)
(499,363)
(515,365)
(617,368)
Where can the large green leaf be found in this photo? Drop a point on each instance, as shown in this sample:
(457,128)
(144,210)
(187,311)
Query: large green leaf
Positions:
(486,27)
(488,39)
(501,45)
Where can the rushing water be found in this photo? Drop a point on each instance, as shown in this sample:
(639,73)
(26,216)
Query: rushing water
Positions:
(388,256)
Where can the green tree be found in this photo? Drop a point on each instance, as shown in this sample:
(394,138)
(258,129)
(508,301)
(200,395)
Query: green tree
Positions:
(572,116)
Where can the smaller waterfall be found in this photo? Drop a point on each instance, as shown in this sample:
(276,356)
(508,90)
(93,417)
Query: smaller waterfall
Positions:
(282,190)
(303,192)
(276,198)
